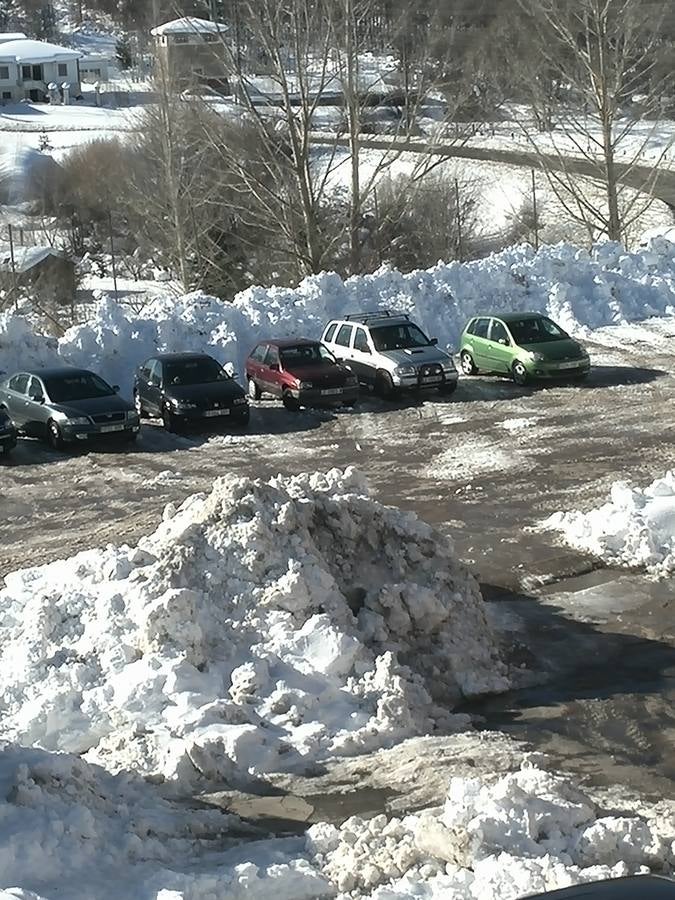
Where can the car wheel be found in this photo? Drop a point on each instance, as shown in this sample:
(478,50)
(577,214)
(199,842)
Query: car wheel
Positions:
(519,373)
(467,363)
(54,436)
(254,391)
(384,385)
(168,419)
(138,404)
(290,402)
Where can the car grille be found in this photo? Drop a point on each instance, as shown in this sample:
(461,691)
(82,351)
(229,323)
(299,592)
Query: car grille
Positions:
(430,369)
(108,418)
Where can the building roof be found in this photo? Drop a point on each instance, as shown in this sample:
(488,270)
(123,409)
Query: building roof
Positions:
(6,36)
(26,51)
(189,25)
(26,258)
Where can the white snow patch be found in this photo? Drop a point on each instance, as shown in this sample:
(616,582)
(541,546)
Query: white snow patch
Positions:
(261,626)
(636,527)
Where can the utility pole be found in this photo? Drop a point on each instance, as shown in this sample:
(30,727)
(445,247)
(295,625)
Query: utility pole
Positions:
(535,212)
(13,264)
(458,213)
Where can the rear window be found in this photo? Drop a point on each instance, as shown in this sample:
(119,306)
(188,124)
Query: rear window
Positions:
(344,335)
(202,370)
(328,336)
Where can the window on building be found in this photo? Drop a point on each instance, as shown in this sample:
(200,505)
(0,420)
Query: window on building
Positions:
(4,73)
(6,95)
(210,38)
(31,73)
(63,70)
(180,38)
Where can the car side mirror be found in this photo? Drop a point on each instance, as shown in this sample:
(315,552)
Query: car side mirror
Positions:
(433,342)
(503,341)
(37,398)
(116,388)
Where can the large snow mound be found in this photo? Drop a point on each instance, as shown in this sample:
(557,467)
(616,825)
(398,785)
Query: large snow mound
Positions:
(635,528)
(261,626)
(523,833)
(581,290)
(73,831)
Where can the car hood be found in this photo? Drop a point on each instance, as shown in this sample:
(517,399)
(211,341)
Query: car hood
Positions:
(318,373)
(416,356)
(92,406)
(214,390)
(565,349)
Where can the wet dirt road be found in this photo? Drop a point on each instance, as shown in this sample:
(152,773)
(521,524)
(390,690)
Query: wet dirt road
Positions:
(484,466)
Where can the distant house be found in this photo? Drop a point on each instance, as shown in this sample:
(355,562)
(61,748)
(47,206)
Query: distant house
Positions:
(44,271)
(28,67)
(193,51)
(94,67)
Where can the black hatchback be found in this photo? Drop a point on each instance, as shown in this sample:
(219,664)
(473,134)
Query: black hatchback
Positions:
(188,388)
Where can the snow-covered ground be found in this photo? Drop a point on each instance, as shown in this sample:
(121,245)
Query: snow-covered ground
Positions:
(636,527)
(580,290)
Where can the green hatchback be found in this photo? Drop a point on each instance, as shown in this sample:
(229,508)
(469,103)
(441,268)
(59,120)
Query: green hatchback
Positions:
(523,345)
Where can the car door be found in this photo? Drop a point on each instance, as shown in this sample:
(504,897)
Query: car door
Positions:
(342,346)
(142,384)
(37,412)
(152,397)
(498,347)
(477,343)
(255,367)
(272,382)
(17,393)
(363,356)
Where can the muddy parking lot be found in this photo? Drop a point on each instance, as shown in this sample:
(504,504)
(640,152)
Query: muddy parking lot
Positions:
(486,466)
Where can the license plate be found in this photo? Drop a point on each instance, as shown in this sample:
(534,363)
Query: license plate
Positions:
(104,429)
(568,365)
(216,412)
(327,391)
(431,379)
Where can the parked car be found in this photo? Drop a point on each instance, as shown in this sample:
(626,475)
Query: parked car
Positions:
(523,345)
(188,388)
(646,887)
(67,406)
(301,373)
(7,433)
(389,353)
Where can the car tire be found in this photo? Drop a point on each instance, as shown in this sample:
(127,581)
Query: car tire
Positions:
(290,402)
(254,391)
(467,364)
(519,373)
(384,386)
(169,420)
(138,404)
(54,436)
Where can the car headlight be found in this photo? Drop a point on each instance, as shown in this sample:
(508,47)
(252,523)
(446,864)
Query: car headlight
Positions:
(405,370)
(537,357)
(183,404)
(78,420)
(449,366)
(132,416)
(305,385)
(239,400)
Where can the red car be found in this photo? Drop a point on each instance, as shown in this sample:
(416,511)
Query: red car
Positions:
(301,373)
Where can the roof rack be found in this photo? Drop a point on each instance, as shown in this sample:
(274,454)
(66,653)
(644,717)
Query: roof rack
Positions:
(369,316)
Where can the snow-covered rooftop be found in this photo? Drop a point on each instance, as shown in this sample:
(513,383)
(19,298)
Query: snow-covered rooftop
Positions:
(189,25)
(26,258)
(27,51)
(6,36)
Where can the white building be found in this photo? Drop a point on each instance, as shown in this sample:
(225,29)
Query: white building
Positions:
(27,67)
(94,67)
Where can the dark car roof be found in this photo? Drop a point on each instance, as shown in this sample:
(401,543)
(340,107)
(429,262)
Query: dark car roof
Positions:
(289,342)
(646,887)
(509,316)
(178,357)
(54,372)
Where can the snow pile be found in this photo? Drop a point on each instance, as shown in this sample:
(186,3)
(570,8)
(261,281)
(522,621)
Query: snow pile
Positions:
(635,528)
(26,174)
(578,289)
(530,831)
(72,830)
(262,626)
(21,348)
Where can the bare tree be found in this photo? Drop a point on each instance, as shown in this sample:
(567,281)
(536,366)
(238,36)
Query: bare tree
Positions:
(593,57)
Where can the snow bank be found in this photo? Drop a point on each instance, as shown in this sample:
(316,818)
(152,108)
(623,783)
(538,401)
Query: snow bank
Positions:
(21,348)
(73,831)
(578,289)
(635,528)
(526,832)
(261,627)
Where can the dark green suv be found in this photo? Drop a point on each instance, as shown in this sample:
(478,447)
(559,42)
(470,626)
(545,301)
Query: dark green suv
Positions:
(523,345)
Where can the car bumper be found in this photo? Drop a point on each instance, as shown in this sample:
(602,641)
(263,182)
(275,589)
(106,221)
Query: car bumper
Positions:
(81,433)
(555,371)
(416,383)
(238,413)
(320,397)
(7,439)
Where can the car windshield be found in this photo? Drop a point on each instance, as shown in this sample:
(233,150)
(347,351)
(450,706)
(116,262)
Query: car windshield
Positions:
(305,355)
(78,386)
(536,331)
(398,337)
(202,370)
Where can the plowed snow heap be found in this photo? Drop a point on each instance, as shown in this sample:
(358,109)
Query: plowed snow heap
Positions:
(262,626)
